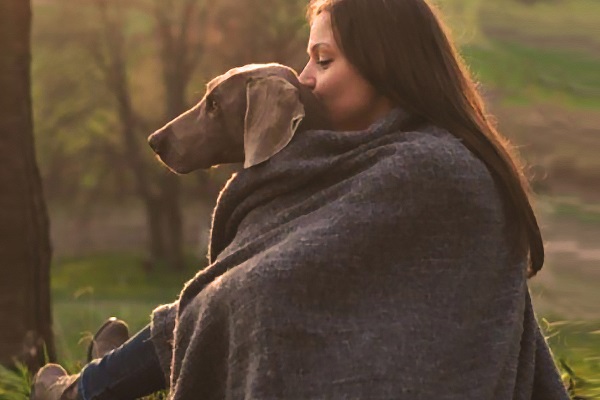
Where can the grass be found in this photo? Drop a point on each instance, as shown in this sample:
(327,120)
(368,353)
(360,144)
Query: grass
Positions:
(563,24)
(543,51)
(88,290)
(15,383)
(526,75)
(587,215)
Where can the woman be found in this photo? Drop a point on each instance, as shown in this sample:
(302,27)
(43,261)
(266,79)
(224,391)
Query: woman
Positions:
(402,240)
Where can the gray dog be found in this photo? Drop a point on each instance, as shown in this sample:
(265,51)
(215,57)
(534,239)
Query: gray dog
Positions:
(248,114)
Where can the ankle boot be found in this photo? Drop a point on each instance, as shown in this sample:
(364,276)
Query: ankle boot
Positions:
(52,382)
(112,334)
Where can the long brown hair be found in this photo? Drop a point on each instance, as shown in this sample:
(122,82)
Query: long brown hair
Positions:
(404,50)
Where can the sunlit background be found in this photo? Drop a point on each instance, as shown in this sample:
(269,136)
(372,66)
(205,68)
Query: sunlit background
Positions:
(108,73)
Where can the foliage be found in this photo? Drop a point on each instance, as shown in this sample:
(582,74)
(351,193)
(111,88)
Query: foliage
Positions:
(77,126)
(81,156)
(73,116)
(575,346)
(15,383)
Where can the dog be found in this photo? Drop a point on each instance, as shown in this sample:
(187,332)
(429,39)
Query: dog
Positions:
(248,115)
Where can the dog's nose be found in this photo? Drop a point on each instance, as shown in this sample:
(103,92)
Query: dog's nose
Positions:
(152,142)
(157,139)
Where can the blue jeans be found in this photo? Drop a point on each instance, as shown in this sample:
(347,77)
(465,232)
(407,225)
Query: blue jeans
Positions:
(128,372)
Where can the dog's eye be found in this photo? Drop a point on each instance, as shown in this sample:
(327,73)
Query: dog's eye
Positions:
(211,104)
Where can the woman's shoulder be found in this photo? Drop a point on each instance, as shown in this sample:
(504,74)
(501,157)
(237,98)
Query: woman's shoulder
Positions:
(432,167)
(430,177)
(435,152)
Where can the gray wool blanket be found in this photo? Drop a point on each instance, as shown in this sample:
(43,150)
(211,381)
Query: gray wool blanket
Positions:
(359,265)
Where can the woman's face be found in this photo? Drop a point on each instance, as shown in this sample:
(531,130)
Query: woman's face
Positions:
(351,101)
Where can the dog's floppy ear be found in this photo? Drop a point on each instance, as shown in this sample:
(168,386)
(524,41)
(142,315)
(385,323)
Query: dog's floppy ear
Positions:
(273,113)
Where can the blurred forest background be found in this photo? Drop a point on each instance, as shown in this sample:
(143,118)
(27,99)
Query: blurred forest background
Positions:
(126,233)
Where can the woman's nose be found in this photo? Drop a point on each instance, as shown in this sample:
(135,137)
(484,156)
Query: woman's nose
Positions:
(306,78)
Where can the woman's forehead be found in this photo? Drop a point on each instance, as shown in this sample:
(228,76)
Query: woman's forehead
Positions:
(321,33)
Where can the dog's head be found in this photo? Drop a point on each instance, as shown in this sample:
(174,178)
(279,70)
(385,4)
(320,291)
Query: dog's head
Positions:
(248,114)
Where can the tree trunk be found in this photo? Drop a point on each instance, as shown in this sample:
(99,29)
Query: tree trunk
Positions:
(115,70)
(171,186)
(171,202)
(178,57)
(24,234)
(156,243)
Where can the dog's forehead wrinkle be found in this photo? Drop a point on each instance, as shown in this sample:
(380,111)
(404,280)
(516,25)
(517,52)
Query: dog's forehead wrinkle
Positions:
(248,72)
(227,89)
(258,67)
(251,71)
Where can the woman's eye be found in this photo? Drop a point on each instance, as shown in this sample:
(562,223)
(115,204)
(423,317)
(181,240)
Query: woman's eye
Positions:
(324,63)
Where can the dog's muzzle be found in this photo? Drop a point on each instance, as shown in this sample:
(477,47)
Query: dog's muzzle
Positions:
(157,140)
